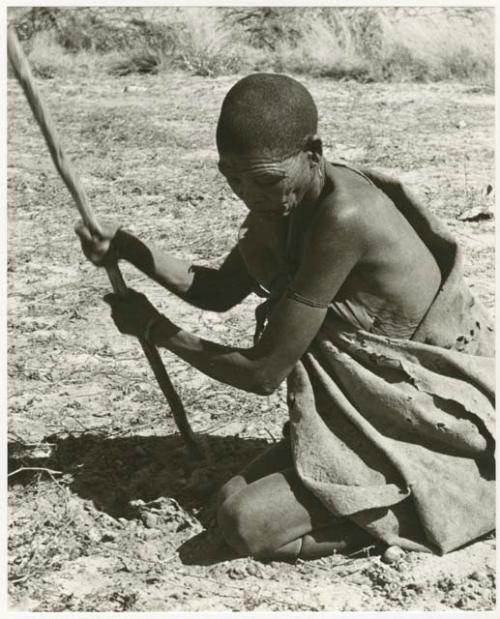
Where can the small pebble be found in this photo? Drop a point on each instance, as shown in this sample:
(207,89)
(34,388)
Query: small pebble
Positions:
(152,580)
(236,573)
(358,579)
(93,535)
(109,536)
(136,503)
(393,554)
(254,569)
(149,520)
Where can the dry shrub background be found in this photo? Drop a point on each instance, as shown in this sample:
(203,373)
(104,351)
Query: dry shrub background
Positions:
(366,44)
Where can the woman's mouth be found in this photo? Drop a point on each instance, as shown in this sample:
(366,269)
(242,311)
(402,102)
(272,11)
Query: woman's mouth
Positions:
(272,213)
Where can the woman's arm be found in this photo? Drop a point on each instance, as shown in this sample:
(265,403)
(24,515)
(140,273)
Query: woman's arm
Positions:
(331,253)
(259,369)
(210,289)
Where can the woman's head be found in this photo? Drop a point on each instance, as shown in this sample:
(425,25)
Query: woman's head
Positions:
(266,137)
(266,112)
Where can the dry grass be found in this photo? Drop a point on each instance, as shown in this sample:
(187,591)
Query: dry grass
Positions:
(366,44)
(207,47)
(48,59)
(387,46)
(320,51)
(426,48)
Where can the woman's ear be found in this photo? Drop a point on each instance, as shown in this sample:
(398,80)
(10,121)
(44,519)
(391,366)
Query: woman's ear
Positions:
(314,145)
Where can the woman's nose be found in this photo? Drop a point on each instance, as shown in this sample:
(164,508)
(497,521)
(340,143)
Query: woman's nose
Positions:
(240,188)
(246,190)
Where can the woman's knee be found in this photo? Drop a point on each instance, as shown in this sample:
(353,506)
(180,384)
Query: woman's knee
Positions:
(235,484)
(242,526)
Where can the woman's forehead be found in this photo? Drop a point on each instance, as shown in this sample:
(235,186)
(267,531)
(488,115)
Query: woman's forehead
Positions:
(257,163)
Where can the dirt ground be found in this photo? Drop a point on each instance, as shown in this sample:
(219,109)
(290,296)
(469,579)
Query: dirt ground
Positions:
(121,520)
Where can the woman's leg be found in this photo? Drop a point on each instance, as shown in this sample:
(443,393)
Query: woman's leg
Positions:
(276,458)
(343,537)
(276,517)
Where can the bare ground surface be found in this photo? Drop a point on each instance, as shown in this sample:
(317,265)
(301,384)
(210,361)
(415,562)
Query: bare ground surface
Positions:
(126,523)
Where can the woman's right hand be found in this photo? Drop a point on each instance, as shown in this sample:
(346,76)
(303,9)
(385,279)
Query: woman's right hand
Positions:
(98,247)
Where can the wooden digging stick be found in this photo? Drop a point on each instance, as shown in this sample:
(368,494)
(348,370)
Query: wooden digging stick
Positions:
(40,111)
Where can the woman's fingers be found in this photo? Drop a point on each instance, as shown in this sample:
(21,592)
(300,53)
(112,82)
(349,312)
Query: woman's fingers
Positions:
(132,299)
(96,246)
(131,313)
(83,232)
(119,311)
(110,298)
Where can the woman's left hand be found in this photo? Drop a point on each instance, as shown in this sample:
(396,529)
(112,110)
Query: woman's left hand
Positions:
(131,313)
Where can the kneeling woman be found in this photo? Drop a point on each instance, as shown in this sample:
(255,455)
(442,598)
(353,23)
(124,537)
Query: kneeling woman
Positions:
(391,413)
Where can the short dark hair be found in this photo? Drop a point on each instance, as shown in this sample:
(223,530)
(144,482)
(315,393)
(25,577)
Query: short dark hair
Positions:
(266,112)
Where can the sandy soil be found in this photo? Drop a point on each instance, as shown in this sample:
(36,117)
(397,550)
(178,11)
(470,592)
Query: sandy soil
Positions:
(125,522)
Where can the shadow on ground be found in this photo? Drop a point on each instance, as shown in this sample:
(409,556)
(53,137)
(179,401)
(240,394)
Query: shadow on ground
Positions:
(112,472)
(115,472)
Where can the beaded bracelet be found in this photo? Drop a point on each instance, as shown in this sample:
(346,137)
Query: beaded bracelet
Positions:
(296,296)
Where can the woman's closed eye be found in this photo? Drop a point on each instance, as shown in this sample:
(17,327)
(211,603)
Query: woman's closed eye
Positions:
(271,181)
(234,181)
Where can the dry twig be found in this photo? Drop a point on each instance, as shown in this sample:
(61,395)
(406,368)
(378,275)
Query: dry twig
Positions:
(35,468)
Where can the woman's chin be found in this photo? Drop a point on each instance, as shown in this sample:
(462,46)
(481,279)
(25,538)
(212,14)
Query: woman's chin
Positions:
(275,213)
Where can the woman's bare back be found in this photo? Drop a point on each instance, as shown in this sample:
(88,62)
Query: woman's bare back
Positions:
(393,285)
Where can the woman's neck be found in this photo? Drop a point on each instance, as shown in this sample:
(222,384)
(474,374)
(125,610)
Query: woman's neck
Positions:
(320,186)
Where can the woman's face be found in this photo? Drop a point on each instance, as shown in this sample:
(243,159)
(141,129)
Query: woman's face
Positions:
(270,188)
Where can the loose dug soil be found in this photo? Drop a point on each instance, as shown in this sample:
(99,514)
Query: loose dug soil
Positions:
(127,522)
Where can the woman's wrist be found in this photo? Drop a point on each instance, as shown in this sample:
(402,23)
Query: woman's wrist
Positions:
(119,244)
(134,251)
(149,331)
(158,329)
